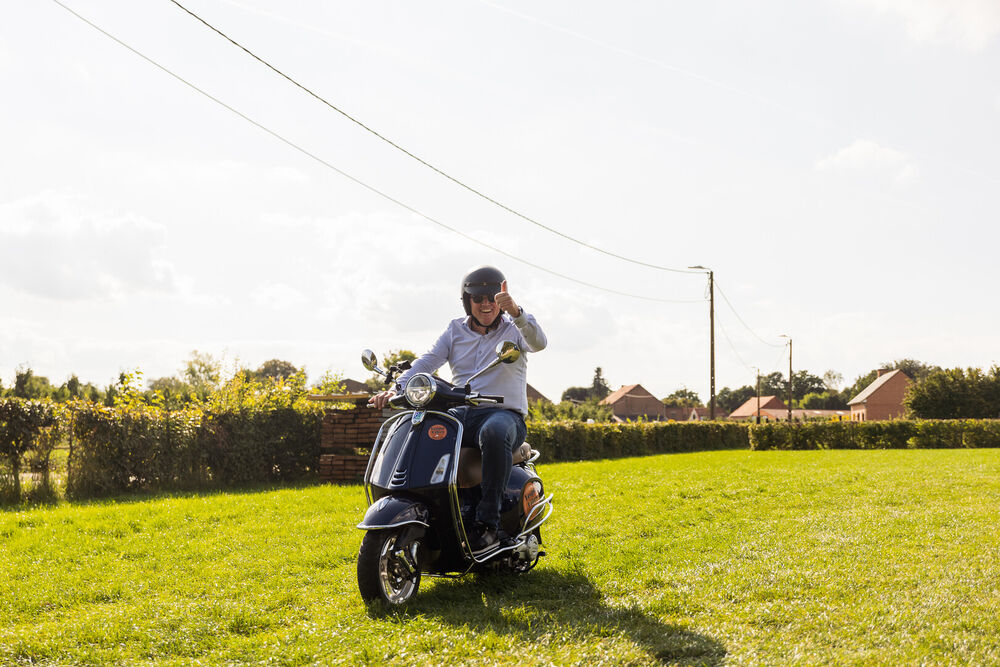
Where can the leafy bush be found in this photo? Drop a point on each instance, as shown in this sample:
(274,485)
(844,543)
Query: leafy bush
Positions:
(569,411)
(23,425)
(893,434)
(131,448)
(249,431)
(576,441)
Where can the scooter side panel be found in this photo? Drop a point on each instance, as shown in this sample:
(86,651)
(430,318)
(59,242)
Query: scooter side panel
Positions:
(510,505)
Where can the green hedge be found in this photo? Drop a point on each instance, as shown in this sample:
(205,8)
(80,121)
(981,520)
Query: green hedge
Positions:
(133,447)
(28,430)
(248,447)
(894,434)
(140,448)
(576,441)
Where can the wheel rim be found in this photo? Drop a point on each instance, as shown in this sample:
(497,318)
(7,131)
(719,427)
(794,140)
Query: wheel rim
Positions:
(394,576)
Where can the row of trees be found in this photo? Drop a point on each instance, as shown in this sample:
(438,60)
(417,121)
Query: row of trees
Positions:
(936,393)
(201,376)
(812,392)
(31,386)
(956,393)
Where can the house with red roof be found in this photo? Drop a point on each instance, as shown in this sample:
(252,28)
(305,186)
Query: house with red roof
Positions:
(882,399)
(632,402)
(768,408)
(535,395)
(354,387)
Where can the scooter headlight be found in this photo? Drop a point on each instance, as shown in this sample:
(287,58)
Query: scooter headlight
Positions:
(420,389)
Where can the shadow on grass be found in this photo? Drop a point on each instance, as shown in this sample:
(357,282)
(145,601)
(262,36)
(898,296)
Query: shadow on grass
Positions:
(544,603)
(58,497)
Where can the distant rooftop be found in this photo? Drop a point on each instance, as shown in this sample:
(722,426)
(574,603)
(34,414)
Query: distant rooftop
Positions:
(875,386)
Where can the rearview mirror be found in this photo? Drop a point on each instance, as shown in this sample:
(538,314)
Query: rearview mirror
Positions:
(508,352)
(369,361)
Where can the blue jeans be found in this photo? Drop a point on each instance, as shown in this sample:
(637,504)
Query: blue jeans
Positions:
(497,433)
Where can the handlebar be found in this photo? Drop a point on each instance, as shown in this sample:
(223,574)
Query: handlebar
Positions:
(485,398)
(399,402)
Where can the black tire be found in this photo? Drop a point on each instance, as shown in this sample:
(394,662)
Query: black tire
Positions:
(382,575)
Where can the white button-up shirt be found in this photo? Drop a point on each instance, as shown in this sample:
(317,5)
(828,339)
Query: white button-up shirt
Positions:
(466,351)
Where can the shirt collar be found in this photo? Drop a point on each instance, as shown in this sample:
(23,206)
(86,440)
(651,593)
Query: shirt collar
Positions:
(490,329)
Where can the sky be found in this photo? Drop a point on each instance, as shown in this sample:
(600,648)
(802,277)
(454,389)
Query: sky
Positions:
(836,164)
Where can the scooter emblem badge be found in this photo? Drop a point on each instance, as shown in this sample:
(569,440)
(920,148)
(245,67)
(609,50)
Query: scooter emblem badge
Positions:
(437,432)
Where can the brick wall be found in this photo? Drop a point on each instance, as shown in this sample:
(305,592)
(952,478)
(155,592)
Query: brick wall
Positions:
(346,437)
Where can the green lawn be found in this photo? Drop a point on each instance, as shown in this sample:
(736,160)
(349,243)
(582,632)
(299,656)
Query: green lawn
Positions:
(739,557)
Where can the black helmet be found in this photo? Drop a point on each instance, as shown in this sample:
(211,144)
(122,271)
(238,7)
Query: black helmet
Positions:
(484,280)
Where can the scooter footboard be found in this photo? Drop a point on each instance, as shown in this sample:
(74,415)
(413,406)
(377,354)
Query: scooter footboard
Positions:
(392,512)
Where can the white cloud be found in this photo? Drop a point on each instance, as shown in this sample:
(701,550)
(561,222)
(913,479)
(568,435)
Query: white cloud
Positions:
(51,247)
(279,296)
(970,24)
(870,159)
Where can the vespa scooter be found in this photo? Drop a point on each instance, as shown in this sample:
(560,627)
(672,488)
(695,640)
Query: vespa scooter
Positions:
(422,488)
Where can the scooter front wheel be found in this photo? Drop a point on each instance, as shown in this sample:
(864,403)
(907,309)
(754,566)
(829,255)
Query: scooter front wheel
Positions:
(387,568)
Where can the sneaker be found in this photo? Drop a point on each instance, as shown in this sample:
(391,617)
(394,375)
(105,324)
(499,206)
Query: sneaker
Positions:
(483,538)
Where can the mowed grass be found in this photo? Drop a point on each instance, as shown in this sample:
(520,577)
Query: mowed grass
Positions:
(885,557)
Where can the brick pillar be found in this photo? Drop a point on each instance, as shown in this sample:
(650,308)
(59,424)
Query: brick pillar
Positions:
(346,439)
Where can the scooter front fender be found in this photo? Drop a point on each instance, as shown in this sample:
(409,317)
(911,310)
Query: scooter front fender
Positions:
(392,512)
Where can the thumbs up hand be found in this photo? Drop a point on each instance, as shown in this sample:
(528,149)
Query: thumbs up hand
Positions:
(506,301)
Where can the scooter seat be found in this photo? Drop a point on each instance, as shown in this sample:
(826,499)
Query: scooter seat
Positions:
(470,464)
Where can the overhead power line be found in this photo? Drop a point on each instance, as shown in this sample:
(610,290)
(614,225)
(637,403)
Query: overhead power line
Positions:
(781,356)
(358,181)
(725,334)
(419,159)
(729,303)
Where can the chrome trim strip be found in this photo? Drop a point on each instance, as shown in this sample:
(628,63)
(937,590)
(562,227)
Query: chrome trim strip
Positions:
(493,554)
(456,505)
(364,526)
(546,504)
(523,535)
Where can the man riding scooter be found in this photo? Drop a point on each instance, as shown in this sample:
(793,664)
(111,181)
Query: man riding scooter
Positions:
(492,317)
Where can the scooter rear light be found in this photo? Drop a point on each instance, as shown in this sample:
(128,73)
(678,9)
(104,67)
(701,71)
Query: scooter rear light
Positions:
(531,494)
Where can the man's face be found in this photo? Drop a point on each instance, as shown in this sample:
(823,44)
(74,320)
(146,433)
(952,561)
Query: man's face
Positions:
(486,311)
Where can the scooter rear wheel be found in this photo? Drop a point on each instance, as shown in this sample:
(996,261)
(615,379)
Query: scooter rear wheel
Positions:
(387,568)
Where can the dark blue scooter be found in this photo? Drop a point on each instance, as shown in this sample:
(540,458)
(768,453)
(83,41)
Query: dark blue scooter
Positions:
(423,487)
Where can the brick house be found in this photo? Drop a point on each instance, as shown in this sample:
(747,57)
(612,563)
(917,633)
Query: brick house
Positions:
(535,395)
(770,408)
(677,413)
(350,386)
(700,414)
(882,399)
(634,402)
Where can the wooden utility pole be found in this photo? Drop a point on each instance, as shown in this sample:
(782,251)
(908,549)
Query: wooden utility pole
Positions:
(758,395)
(711,345)
(711,339)
(789,380)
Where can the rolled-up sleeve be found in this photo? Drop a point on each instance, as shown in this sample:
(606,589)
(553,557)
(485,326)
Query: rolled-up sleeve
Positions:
(531,332)
(431,360)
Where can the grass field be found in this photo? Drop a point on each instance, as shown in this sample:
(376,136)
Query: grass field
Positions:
(874,557)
